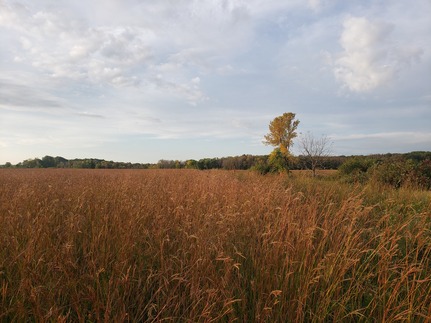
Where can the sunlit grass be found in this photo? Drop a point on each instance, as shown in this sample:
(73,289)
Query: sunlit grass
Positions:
(185,245)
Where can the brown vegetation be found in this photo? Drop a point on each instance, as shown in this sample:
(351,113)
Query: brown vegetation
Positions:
(201,246)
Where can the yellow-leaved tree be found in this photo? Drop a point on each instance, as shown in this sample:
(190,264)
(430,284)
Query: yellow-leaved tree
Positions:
(282,131)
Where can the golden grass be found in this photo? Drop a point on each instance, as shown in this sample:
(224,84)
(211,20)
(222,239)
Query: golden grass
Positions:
(205,246)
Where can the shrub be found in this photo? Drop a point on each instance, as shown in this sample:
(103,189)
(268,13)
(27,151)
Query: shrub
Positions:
(261,167)
(277,162)
(392,172)
(355,169)
(422,174)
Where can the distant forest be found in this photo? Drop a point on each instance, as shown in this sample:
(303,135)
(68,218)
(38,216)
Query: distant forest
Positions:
(242,162)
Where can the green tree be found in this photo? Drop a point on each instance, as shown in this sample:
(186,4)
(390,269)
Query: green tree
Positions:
(32,163)
(48,161)
(191,164)
(282,131)
(277,161)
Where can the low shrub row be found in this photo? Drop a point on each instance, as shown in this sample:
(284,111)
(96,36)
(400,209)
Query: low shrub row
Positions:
(395,171)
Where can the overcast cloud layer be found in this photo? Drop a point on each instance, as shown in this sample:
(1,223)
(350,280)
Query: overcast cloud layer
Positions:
(144,80)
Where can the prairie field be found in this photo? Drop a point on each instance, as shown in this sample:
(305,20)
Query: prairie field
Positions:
(210,246)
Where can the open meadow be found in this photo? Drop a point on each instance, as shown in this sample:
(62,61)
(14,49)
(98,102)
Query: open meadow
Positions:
(203,246)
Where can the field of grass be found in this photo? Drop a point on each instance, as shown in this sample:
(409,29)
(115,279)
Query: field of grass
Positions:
(203,246)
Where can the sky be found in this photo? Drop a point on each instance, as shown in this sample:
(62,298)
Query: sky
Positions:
(141,80)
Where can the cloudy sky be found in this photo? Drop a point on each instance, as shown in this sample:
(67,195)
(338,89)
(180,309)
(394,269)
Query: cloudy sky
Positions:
(141,80)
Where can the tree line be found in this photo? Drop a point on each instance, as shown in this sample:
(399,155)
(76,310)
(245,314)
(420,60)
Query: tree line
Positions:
(242,162)
(261,163)
(315,154)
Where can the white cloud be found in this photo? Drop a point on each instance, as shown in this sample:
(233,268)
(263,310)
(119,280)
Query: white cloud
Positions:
(120,47)
(130,44)
(9,14)
(64,47)
(88,72)
(370,58)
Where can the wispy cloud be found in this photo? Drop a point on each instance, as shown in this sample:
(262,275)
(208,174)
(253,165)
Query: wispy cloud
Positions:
(90,115)
(128,54)
(406,136)
(78,74)
(14,95)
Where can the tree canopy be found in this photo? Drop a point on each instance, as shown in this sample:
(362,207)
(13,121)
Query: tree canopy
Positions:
(282,131)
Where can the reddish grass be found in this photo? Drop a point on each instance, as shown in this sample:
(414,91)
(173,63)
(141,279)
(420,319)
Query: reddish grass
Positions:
(202,246)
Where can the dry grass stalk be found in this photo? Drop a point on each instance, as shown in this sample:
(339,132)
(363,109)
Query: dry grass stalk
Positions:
(82,245)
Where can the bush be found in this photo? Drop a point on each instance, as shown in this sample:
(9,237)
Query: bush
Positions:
(395,173)
(355,169)
(422,174)
(261,167)
(277,162)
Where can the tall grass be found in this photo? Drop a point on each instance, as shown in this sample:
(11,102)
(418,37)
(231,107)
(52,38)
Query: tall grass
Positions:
(186,245)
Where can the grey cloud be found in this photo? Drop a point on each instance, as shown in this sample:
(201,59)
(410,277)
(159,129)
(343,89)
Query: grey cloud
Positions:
(382,142)
(23,96)
(149,119)
(90,115)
